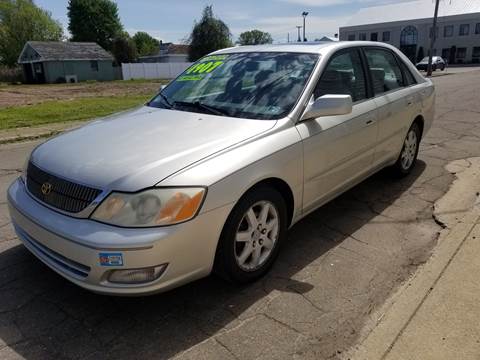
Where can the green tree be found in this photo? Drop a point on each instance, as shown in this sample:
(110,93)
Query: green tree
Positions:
(146,44)
(22,21)
(95,21)
(208,35)
(124,49)
(254,37)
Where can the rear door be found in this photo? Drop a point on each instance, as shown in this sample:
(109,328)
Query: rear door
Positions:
(339,150)
(395,102)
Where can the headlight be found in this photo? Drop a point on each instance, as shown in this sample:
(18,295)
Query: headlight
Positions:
(23,175)
(152,207)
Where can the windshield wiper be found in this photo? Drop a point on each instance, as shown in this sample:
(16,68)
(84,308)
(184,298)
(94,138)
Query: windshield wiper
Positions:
(166,101)
(197,104)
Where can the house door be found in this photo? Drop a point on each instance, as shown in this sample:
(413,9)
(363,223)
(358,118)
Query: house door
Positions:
(39,73)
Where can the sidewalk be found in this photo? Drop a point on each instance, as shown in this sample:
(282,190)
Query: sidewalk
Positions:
(35,132)
(436,315)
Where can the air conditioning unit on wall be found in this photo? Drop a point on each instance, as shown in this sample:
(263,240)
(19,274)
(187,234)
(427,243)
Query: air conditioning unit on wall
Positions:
(71,78)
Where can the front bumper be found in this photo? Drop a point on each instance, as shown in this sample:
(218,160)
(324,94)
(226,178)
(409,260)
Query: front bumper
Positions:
(72,246)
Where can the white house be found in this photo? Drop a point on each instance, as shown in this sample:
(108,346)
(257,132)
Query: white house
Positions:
(408,26)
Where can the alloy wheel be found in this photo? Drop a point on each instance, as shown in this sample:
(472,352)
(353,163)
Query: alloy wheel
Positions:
(256,236)
(409,151)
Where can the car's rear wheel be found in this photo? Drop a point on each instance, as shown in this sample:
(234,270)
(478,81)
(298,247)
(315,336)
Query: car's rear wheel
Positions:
(408,156)
(252,235)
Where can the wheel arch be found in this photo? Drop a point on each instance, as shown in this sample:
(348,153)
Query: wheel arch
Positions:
(283,188)
(421,123)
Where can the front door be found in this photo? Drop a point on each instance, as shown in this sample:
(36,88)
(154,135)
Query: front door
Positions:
(339,150)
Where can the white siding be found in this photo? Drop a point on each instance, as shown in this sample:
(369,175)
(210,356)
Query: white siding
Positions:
(153,70)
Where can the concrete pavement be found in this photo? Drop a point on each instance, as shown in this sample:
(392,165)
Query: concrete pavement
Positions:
(435,314)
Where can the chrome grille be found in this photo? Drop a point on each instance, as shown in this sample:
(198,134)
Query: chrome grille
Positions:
(62,194)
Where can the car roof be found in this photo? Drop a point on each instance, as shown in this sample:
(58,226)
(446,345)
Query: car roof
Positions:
(317,47)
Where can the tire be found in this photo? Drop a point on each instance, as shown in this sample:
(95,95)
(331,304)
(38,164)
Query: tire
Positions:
(443,67)
(233,262)
(408,156)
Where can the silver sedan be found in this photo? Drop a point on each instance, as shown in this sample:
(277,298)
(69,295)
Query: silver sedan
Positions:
(210,174)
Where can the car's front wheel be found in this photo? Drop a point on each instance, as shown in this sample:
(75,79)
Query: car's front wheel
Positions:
(408,156)
(252,235)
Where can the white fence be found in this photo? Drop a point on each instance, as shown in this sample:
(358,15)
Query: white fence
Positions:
(153,70)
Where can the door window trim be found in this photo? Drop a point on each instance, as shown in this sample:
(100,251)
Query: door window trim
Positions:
(365,74)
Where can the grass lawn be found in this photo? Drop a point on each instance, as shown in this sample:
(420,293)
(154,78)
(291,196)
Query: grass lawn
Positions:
(66,110)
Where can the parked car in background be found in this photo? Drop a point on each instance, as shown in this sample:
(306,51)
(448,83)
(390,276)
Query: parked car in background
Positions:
(210,174)
(437,63)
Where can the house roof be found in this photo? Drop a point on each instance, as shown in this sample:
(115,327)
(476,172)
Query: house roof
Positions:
(59,50)
(412,10)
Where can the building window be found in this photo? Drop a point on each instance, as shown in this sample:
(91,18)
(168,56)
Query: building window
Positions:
(386,36)
(477,29)
(374,37)
(448,31)
(362,36)
(436,32)
(351,37)
(94,65)
(461,53)
(476,52)
(409,36)
(464,29)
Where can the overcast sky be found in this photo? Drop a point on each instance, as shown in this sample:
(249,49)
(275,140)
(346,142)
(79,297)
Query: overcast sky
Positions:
(172,20)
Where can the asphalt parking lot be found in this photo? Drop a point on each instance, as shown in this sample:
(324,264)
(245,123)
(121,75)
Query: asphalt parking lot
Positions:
(338,265)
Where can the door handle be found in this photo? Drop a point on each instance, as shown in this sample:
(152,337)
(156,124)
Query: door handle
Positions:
(370,122)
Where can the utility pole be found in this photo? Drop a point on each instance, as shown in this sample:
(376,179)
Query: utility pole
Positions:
(304,14)
(288,37)
(298,28)
(433,38)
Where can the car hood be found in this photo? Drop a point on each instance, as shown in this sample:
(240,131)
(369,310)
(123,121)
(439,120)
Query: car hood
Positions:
(139,148)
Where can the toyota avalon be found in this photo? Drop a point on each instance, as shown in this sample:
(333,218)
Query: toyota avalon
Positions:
(209,175)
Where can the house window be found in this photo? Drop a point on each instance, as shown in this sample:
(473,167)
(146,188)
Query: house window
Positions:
(477,29)
(351,37)
(461,53)
(362,36)
(464,29)
(374,36)
(386,36)
(448,31)
(94,65)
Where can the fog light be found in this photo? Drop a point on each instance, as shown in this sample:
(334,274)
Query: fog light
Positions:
(137,276)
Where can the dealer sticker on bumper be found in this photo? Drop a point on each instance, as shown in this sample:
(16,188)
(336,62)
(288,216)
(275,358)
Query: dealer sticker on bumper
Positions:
(111,259)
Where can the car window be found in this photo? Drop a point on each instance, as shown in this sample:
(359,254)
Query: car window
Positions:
(386,74)
(260,85)
(343,75)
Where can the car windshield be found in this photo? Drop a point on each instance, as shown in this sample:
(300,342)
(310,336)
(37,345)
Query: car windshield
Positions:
(258,85)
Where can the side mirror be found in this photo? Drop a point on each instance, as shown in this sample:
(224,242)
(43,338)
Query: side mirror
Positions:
(328,105)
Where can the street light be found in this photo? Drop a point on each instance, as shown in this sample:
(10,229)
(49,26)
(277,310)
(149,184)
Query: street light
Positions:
(304,14)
